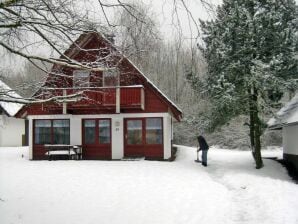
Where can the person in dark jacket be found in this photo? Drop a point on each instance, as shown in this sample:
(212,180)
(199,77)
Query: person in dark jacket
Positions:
(203,146)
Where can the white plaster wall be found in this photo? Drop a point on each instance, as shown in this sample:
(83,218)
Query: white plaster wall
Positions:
(11,131)
(75,130)
(117,138)
(1,125)
(167,128)
(117,129)
(30,138)
(290,139)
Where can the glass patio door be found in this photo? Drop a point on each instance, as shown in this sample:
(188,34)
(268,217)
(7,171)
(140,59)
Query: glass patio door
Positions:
(97,138)
(134,137)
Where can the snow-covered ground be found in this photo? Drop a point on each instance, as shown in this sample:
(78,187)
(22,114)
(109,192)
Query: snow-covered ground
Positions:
(228,191)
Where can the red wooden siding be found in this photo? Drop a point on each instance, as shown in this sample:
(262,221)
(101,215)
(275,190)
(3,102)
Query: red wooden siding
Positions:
(99,100)
(103,102)
(39,152)
(130,97)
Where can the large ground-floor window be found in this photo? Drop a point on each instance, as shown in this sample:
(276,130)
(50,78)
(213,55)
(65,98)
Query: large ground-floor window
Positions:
(141,131)
(134,132)
(54,131)
(153,130)
(96,131)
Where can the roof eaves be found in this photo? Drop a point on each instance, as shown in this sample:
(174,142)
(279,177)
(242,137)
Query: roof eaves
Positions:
(281,125)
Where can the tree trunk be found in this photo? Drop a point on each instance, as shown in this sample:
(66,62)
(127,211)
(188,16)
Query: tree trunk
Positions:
(255,129)
(258,132)
(251,125)
(258,156)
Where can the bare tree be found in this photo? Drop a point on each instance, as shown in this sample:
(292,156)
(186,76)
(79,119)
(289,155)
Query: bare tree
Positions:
(138,34)
(52,24)
(55,24)
(26,81)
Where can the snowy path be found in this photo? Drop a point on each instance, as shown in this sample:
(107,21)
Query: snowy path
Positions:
(228,191)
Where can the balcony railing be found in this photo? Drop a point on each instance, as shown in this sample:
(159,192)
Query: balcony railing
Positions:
(105,97)
(130,96)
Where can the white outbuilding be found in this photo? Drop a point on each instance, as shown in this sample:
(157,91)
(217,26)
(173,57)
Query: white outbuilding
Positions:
(287,120)
(12,130)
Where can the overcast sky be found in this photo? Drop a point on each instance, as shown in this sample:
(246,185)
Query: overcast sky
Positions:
(163,10)
(164,13)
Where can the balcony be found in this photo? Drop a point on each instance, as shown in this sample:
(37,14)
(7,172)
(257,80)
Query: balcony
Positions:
(130,97)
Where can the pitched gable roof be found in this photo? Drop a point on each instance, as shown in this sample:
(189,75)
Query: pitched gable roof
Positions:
(287,115)
(9,108)
(85,38)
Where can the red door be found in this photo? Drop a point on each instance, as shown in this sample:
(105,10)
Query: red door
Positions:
(97,139)
(134,137)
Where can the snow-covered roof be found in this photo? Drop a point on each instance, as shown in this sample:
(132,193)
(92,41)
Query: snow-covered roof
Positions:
(10,108)
(286,115)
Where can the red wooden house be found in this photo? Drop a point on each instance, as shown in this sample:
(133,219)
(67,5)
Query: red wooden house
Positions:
(113,113)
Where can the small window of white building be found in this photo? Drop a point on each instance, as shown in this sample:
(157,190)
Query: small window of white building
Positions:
(81,78)
(111,78)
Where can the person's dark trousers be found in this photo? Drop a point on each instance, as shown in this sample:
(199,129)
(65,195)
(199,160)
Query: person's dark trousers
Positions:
(204,157)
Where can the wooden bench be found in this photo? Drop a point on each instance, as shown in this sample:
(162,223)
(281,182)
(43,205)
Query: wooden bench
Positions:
(78,150)
(71,151)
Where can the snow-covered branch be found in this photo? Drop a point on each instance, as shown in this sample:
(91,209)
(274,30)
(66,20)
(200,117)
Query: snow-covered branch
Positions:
(59,99)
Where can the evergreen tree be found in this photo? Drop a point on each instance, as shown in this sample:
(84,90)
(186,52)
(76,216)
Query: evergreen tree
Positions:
(251,51)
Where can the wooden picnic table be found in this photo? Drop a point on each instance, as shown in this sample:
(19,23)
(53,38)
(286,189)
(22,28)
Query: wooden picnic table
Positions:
(72,151)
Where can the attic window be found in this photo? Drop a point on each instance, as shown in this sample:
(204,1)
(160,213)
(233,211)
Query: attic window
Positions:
(81,78)
(111,78)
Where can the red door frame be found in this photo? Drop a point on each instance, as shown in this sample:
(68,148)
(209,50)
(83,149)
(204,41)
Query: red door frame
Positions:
(144,149)
(96,150)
